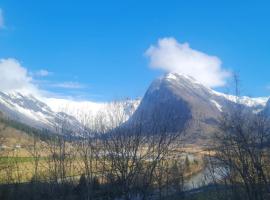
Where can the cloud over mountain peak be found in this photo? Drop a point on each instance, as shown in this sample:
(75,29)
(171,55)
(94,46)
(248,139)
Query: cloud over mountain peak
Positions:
(172,56)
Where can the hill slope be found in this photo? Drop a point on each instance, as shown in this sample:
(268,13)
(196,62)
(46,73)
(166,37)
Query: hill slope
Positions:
(176,102)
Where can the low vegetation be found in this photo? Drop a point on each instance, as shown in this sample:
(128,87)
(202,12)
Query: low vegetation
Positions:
(129,163)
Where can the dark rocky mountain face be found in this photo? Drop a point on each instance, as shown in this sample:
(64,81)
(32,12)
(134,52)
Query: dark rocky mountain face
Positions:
(172,103)
(267,109)
(162,109)
(176,102)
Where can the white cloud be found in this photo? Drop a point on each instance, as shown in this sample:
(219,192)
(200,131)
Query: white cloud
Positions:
(171,56)
(2,25)
(14,77)
(68,85)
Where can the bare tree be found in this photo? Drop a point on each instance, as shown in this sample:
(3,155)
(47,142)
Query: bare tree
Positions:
(135,155)
(242,149)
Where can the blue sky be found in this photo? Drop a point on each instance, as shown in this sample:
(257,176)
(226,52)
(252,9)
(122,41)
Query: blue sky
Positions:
(97,49)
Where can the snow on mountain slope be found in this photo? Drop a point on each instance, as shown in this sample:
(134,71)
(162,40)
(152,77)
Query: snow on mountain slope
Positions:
(47,112)
(93,110)
(51,112)
(175,102)
(26,108)
(41,112)
(248,101)
(245,100)
(74,108)
(219,107)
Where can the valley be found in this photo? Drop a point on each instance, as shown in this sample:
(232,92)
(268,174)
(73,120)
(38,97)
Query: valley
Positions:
(165,141)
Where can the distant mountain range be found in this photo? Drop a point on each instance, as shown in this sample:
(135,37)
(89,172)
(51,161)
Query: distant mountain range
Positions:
(53,114)
(172,102)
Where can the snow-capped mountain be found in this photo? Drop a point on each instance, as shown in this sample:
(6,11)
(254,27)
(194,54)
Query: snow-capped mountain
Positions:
(109,115)
(26,109)
(33,112)
(172,102)
(257,102)
(79,109)
(51,113)
(176,101)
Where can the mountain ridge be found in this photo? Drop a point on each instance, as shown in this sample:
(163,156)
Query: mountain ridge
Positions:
(189,105)
(188,100)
